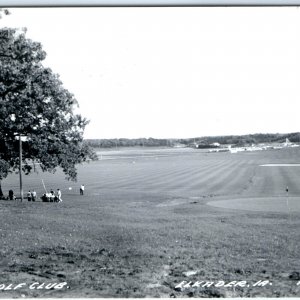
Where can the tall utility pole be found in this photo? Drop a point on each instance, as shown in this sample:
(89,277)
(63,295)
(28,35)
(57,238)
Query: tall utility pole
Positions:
(20,167)
(13,118)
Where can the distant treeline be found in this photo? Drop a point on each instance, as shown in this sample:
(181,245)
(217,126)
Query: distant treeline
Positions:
(238,140)
(142,142)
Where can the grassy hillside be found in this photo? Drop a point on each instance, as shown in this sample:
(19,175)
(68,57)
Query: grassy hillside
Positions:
(144,223)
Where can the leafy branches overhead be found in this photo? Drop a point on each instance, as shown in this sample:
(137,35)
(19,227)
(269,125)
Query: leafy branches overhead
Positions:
(35,104)
(4,11)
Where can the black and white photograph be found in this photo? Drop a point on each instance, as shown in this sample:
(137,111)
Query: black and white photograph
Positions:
(149,152)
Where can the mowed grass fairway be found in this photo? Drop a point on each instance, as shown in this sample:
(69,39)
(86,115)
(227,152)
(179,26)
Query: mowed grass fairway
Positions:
(145,220)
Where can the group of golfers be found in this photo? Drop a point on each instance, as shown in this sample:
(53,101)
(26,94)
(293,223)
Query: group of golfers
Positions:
(47,197)
(51,197)
(31,196)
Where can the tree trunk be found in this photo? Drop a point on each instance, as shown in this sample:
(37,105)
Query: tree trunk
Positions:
(1,193)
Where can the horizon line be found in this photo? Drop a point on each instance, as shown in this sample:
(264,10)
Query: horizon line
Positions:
(194,137)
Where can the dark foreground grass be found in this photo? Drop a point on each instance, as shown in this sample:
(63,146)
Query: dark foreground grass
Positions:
(135,240)
(120,247)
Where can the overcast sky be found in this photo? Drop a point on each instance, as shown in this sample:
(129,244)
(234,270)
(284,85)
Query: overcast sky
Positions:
(174,72)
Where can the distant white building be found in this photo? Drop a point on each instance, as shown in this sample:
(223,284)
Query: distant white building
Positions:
(215,144)
(178,145)
(287,143)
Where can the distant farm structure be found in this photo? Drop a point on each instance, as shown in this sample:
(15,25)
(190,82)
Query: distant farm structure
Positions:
(253,147)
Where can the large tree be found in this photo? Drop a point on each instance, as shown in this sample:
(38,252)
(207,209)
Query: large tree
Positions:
(34,104)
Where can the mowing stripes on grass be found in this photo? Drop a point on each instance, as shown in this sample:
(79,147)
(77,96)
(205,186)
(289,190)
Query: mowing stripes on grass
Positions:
(273,181)
(280,165)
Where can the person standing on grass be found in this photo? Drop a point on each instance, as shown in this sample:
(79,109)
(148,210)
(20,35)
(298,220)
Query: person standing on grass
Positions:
(52,196)
(82,189)
(29,196)
(11,195)
(287,190)
(33,195)
(59,195)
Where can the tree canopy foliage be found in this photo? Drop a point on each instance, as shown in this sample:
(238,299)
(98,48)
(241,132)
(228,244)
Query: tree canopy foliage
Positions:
(34,104)
(4,12)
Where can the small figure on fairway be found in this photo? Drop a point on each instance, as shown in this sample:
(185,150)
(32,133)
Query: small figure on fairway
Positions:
(59,195)
(82,189)
(29,196)
(287,190)
(33,195)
